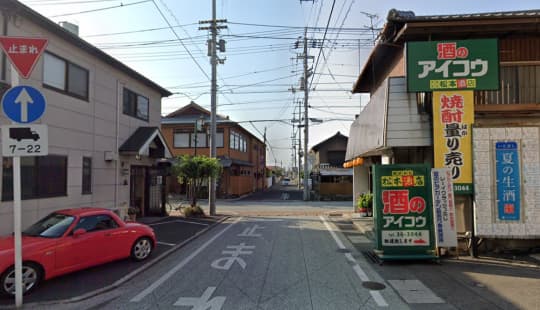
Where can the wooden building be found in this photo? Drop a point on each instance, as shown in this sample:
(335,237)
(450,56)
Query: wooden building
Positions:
(242,155)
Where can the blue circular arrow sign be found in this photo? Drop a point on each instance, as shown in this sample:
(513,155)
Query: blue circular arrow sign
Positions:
(23,104)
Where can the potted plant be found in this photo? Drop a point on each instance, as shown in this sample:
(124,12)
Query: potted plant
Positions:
(368,201)
(132,213)
(365,204)
(361,206)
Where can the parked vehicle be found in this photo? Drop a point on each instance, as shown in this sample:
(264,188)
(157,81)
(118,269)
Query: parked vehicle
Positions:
(70,240)
(285,181)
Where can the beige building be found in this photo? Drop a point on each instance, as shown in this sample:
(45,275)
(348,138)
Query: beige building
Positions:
(103,123)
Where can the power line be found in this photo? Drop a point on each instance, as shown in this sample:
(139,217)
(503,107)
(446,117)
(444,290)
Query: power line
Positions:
(179,40)
(133,31)
(56,2)
(324,38)
(101,9)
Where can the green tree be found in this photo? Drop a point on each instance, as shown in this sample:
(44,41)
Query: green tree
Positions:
(195,171)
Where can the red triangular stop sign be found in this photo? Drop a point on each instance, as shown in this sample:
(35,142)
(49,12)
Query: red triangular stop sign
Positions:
(23,52)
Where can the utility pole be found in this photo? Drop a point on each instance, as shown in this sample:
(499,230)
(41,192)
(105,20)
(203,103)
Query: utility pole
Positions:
(300,154)
(212,51)
(305,86)
(306,119)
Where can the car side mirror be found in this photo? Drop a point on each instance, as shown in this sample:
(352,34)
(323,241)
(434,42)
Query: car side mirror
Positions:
(78,232)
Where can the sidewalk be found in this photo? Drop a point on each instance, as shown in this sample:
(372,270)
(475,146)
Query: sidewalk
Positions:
(366,226)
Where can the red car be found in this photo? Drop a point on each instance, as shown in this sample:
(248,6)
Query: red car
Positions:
(69,240)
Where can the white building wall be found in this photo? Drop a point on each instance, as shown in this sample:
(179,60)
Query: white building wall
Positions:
(80,128)
(487,223)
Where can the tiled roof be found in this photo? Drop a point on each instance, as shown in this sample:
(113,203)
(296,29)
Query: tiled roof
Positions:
(408,16)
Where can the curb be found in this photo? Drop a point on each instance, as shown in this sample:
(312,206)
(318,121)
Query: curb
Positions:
(126,277)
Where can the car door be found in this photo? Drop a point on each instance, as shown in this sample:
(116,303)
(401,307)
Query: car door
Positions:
(81,251)
(116,241)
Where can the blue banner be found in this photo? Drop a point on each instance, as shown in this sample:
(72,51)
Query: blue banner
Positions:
(508,181)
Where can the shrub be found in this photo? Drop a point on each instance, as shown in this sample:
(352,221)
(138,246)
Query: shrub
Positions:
(195,211)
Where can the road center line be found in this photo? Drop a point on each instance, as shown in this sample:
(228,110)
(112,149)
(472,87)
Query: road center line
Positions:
(377,297)
(176,268)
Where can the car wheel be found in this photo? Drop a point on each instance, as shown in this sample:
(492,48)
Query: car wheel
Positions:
(31,276)
(141,249)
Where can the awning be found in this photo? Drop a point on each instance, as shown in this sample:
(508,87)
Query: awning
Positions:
(146,141)
(335,172)
(367,133)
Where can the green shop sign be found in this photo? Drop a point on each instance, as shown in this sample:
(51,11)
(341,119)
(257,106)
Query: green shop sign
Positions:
(457,65)
(403,214)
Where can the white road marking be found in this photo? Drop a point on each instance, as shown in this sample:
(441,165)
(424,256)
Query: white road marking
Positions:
(338,241)
(377,297)
(176,268)
(264,220)
(179,221)
(234,251)
(165,243)
(204,302)
(250,232)
(360,273)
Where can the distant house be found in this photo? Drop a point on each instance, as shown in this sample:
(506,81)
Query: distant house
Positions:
(330,180)
(103,127)
(242,155)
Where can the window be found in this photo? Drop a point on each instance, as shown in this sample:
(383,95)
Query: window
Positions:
(41,177)
(53,225)
(87,175)
(181,139)
(62,75)
(135,105)
(237,142)
(201,140)
(219,139)
(96,223)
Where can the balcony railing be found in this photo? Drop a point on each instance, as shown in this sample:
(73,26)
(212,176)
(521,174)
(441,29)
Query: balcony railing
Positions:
(519,85)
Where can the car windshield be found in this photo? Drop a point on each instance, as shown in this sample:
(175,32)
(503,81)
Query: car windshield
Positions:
(53,225)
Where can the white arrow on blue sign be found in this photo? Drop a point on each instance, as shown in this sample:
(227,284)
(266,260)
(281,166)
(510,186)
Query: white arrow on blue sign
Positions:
(23,104)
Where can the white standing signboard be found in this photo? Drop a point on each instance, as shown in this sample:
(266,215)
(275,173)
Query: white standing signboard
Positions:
(444,211)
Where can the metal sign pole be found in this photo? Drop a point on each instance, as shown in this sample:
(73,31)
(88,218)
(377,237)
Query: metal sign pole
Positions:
(17,230)
(23,63)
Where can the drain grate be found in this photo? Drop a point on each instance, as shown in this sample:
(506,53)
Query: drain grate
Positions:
(343,251)
(374,286)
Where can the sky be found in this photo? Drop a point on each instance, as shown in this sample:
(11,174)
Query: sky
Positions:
(161,40)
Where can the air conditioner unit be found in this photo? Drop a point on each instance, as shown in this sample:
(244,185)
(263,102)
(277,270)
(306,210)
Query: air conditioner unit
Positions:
(110,156)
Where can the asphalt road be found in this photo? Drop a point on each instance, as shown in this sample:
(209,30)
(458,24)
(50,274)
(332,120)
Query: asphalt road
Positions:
(257,263)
